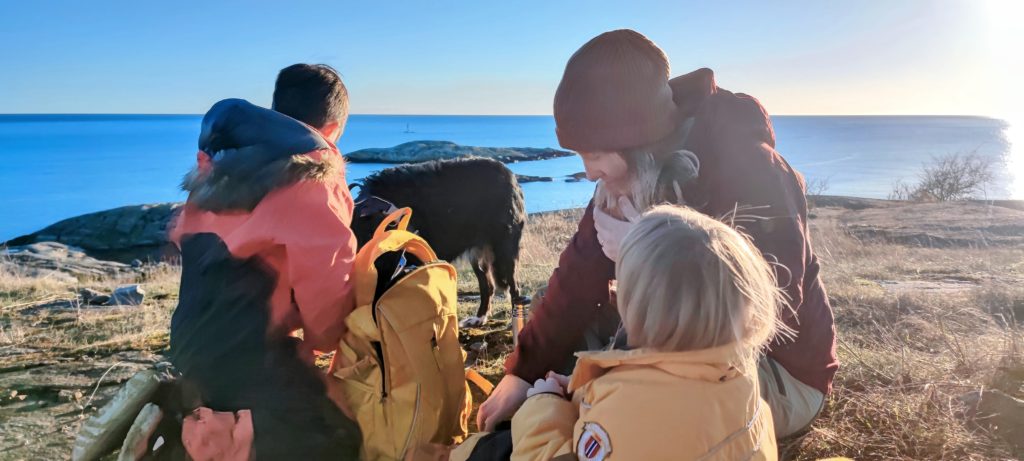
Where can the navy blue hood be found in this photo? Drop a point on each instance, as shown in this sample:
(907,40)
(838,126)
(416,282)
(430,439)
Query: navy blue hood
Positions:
(241,137)
(253,151)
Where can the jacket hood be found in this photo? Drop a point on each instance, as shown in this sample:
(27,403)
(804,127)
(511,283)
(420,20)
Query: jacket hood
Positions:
(252,151)
(717,364)
(689,91)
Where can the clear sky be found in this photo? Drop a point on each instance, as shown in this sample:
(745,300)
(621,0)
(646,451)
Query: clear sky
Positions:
(482,57)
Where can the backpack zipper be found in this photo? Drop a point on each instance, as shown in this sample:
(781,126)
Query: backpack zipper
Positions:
(378,346)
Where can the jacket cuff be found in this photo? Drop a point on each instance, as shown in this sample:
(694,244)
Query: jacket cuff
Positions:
(553,394)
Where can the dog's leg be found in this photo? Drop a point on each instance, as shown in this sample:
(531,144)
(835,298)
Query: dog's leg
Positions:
(482,270)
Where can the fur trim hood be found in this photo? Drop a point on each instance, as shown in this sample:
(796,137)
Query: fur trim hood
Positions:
(252,151)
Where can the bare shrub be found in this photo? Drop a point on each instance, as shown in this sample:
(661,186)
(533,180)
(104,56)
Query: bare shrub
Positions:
(901,191)
(948,178)
(816,187)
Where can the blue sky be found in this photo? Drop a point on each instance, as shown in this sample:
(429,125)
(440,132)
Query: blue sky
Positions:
(452,57)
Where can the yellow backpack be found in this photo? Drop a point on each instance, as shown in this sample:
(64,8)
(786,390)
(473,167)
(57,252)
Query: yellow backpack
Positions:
(400,365)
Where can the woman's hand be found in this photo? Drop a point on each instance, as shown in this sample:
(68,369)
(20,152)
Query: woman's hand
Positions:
(611,230)
(507,397)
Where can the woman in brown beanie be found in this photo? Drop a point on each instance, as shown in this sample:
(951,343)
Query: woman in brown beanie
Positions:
(646,138)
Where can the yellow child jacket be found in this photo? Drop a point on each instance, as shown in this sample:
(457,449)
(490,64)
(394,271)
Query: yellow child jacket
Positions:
(648,405)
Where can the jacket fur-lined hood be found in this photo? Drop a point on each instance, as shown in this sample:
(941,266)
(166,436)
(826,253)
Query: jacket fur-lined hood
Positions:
(253,151)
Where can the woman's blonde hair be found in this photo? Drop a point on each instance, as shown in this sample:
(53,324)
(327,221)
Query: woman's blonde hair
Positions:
(658,173)
(687,281)
(654,180)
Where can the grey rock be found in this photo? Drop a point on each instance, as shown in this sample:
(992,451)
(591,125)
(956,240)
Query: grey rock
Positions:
(997,412)
(57,260)
(127,295)
(423,151)
(136,263)
(120,234)
(93,297)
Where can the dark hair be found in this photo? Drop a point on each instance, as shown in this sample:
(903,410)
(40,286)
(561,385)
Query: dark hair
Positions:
(311,93)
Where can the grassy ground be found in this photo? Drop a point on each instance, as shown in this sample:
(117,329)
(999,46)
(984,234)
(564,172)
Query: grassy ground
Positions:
(907,353)
(917,328)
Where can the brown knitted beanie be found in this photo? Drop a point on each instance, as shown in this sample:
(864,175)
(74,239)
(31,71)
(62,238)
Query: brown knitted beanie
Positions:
(614,94)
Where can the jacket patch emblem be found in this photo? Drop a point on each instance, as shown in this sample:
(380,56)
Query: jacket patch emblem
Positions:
(594,443)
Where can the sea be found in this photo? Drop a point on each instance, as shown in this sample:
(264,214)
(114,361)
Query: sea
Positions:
(54,167)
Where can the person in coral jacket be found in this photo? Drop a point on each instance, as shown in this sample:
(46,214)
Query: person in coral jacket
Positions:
(698,303)
(266,250)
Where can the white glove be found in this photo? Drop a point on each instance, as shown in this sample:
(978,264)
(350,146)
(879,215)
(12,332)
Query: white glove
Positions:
(611,230)
(549,385)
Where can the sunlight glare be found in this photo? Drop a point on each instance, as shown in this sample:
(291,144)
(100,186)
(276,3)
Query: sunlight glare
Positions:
(1006,66)
(1015,156)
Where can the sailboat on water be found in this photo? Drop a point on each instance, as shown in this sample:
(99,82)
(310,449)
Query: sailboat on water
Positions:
(407,130)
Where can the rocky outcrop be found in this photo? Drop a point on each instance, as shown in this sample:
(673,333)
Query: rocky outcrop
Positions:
(424,151)
(942,224)
(852,203)
(576,177)
(57,261)
(523,179)
(121,234)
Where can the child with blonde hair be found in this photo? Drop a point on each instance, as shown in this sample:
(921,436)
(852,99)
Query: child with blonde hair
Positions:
(698,303)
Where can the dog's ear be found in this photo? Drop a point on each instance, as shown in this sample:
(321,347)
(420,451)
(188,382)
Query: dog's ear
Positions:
(371,206)
(358,199)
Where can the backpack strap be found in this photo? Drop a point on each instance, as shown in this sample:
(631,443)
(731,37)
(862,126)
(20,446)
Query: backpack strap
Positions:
(385,241)
(485,386)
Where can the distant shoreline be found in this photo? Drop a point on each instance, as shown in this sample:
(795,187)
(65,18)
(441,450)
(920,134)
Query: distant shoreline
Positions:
(140,231)
(64,165)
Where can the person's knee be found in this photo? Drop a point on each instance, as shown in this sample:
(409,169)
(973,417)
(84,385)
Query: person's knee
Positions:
(794,405)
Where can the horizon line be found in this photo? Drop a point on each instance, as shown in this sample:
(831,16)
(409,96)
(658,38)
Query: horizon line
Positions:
(491,115)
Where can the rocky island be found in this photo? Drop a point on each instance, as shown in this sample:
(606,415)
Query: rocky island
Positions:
(425,151)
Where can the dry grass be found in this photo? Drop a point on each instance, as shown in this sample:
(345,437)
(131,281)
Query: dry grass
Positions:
(907,355)
(546,235)
(44,316)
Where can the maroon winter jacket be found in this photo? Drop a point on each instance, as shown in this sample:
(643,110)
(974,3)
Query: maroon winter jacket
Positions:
(739,170)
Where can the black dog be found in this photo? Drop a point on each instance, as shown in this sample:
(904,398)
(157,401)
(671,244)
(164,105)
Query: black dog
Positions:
(470,207)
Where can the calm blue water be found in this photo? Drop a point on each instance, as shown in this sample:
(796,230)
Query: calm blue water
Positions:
(57,166)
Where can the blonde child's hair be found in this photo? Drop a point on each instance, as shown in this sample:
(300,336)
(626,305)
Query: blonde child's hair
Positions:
(687,281)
